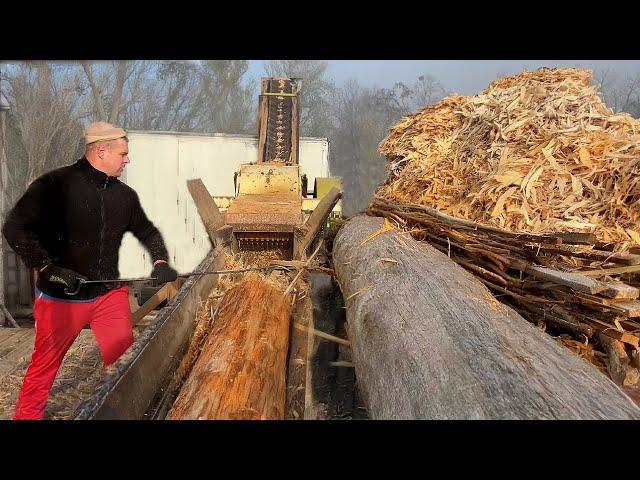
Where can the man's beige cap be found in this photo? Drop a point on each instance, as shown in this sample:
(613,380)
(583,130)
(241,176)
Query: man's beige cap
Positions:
(101,132)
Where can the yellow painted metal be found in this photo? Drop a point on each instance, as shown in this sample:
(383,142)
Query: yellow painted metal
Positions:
(309,204)
(271,94)
(269,178)
(324,184)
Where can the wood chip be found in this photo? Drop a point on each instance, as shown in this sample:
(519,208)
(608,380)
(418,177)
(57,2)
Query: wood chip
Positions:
(535,152)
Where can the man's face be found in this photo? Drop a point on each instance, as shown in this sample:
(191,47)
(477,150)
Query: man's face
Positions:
(115,157)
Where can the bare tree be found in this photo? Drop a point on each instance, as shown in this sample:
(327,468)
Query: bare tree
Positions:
(96,90)
(362,117)
(140,99)
(630,95)
(179,89)
(606,81)
(620,94)
(210,96)
(229,104)
(107,82)
(406,99)
(427,91)
(5,316)
(42,107)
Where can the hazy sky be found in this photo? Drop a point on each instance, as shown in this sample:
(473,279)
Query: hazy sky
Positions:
(465,77)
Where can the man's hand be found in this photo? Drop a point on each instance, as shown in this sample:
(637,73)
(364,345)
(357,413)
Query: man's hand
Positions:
(163,273)
(64,276)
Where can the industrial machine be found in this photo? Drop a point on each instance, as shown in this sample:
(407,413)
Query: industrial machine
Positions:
(271,195)
(271,210)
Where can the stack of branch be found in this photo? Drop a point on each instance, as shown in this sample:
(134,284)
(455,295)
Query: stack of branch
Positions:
(590,302)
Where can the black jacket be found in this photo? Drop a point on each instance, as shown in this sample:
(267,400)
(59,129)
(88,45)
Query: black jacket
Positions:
(75,217)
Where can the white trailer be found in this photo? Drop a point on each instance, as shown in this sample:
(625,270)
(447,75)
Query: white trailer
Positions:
(162,162)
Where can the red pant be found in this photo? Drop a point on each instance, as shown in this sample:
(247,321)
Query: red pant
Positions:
(58,324)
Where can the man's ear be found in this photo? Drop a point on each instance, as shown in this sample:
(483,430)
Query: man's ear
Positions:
(100,151)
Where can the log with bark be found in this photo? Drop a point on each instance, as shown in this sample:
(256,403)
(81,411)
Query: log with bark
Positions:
(509,263)
(240,373)
(429,341)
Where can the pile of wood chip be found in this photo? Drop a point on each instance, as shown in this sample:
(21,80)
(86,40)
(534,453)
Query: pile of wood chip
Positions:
(532,186)
(537,152)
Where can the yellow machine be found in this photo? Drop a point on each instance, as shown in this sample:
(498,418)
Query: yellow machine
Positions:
(270,195)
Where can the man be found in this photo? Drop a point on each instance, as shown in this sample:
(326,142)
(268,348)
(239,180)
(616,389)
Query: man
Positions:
(69,225)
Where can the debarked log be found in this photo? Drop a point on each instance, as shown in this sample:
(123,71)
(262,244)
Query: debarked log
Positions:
(429,341)
(240,372)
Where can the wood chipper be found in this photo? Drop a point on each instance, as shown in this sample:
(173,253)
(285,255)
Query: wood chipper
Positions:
(270,201)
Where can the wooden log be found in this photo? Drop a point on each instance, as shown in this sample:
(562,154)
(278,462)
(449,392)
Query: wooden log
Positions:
(622,337)
(593,254)
(618,363)
(628,308)
(631,308)
(429,341)
(240,373)
(621,291)
(572,326)
(610,271)
(572,280)
(148,306)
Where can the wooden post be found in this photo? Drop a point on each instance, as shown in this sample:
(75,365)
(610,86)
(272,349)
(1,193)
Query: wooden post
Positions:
(5,316)
(263,113)
(207,208)
(3,192)
(167,292)
(262,126)
(295,128)
(240,373)
(315,222)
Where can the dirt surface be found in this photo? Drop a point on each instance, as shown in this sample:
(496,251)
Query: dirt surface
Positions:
(79,373)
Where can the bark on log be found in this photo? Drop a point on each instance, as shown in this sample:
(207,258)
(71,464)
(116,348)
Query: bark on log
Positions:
(618,364)
(240,373)
(430,342)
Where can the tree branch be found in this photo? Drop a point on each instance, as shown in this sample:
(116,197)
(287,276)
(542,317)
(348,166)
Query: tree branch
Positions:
(97,94)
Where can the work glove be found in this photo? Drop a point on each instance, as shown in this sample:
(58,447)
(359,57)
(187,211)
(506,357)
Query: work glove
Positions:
(64,276)
(163,274)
